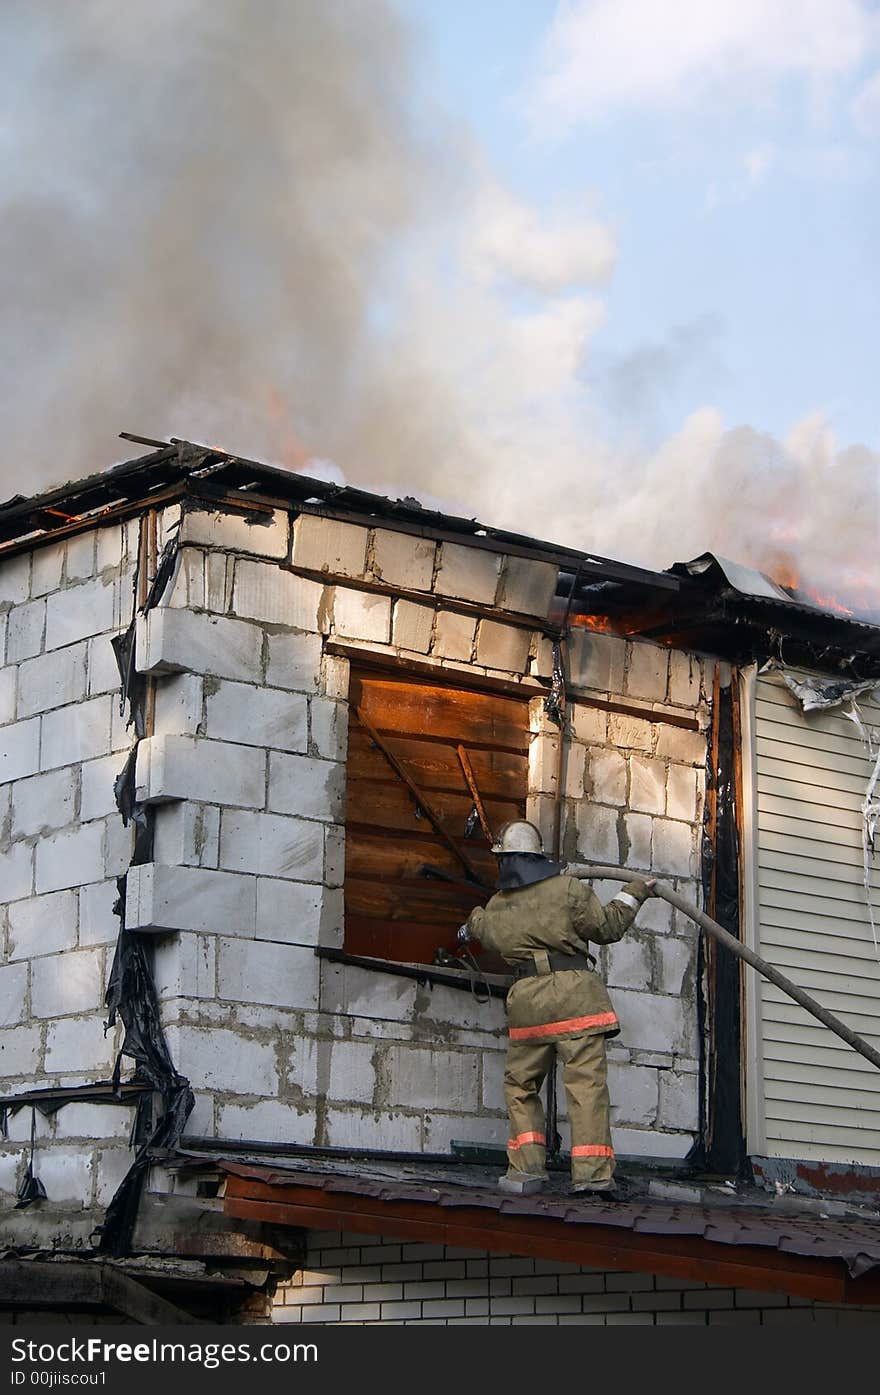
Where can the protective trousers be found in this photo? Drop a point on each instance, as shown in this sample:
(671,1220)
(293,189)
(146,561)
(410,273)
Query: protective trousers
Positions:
(584,1074)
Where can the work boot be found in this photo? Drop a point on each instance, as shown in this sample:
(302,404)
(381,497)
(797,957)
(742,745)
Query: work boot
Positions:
(522,1183)
(608,1186)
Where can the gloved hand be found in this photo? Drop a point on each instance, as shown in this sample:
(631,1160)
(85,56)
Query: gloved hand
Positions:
(651,884)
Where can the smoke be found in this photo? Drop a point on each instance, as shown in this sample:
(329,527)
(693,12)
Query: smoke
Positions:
(239,223)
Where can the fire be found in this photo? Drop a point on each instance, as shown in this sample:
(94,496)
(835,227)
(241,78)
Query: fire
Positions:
(862,595)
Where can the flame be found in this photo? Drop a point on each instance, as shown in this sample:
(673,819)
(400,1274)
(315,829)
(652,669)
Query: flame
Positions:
(861,593)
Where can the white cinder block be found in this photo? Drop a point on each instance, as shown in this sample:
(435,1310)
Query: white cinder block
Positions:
(263,591)
(109,546)
(51,680)
(65,984)
(651,1021)
(647,671)
(187,588)
(334,855)
(590,724)
(79,1044)
(46,568)
(15,574)
(98,923)
(66,1174)
(185,767)
(596,660)
(20,1049)
(25,627)
(42,925)
(527,587)
(467,573)
(502,646)
(169,641)
(681,792)
(676,958)
(70,858)
(178,709)
(543,764)
(97,799)
(399,559)
(674,847)
(412,627)
(294,662)
(118,846)
(216,1059)
(312,789)
(360,615)
(329,728)
(43,802)
(428,1078)
(257,716)
(575,771)
(270,1121)
(189,898)
(184,966)
(608,777)
(110,1166)
(631,733)
(634,1094)
(326,545)
(647,785)
(186,834)
(288,912)
(80,562)
(80,732)
(271,845)
(102,667)
(352,1072)
(597,833)
(257,971)
(19,749)
(629,964)
(13,994)
(77,1120)
(80,611)
(679,1101)
(263,534)
(335,677)
(16,872)
(7,686)
(679,744)
(638,829)
(454,635)
(684,678)
(356,1128)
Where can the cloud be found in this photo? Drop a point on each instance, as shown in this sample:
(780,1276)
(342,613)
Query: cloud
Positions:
(866,107)
(544,252)
(606,56)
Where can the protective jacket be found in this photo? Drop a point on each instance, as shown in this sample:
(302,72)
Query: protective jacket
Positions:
(559,915)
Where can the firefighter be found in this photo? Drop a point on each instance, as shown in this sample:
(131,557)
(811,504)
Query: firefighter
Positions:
(541,922)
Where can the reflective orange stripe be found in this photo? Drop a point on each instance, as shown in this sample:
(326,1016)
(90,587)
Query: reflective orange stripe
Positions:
(592,1150)
(571,1024)
(523,1138)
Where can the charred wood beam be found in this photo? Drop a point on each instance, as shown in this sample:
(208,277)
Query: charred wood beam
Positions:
(55,1285)
(423,973)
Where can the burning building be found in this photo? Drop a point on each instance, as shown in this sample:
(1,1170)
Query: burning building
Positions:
(254,732)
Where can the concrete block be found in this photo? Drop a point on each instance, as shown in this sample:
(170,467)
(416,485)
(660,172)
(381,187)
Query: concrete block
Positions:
(676,960)
(97,799)
(258,971)
(288,912)
(187,834)
(679,744)
(42,925)
(656,915)
(638,829)
(263,534)
(429,1078)
(70,858)
(15,579)
(607,777)
(467,573)
(80,612)
(575,771)
(647,671)
(110,1167)
(685,676)
(681,793)
(265,592)
(355,992)
(629,964)
(502,646)
(651,1021)
(118,846)
(335,677)
(543,764)
(679,1101)
(454,635)
(16,872)
(412,627)
(597,834)
(403,560)
(103,670)
(20,1051)
(271,845)
(77,733)
(650,1143)
(328,725)
(109,546)
(52,680)
(334,856)
(187,588)
(347,1127)
(80,561)
(590,724)
(13,994)
(647,785)
(527,587)
(184,966)
(185,767)
(634,1094)
(257,716)
(178,710)
(674,848)
(596,660)
(441,1129)
(76,1120)
(189,898)
(630,733)
(19,749)
(66,1174)
(25,627)
(170,641)
(98,924)
(327,545)
(270,1121)
(294,662)
(215,1058)
(65,984)
(43,802)
(312,789)
(47,568)
(361,615)
(7,685)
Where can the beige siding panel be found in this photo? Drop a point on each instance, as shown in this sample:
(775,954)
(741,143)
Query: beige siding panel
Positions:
(821,1099)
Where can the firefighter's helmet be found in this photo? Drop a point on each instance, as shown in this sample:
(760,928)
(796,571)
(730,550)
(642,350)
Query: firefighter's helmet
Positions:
(519,836)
